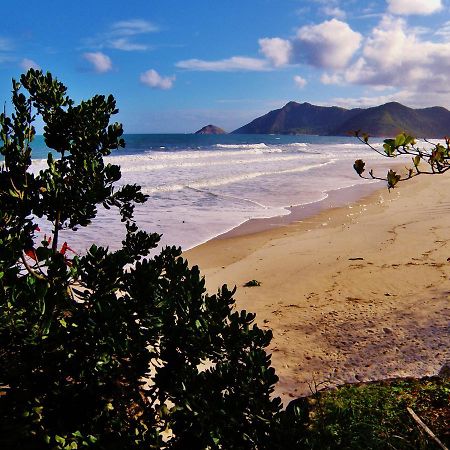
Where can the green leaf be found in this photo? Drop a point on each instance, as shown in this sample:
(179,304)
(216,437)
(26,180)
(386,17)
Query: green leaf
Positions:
(388,149)
(60,439)
(400,139)
(392,178)
(359,166)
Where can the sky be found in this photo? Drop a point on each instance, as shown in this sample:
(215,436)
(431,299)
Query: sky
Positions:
(176,65)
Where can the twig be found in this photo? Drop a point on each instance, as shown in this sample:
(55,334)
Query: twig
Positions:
(426,429)
(30,270)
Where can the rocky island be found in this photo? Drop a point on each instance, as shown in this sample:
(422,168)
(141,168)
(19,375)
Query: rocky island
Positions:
(210,129)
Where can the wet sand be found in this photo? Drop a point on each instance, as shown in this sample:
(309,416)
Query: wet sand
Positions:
(352,290)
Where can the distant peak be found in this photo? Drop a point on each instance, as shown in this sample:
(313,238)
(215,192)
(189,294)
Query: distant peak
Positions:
(210,129)
(394,104)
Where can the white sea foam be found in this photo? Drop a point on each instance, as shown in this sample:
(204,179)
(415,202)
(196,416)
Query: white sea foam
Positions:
(196,194)
(297,144)
(214,182)
(149,165)
(244,146)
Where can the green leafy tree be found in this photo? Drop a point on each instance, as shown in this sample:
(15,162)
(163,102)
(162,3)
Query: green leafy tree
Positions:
(110,349)
(435,157)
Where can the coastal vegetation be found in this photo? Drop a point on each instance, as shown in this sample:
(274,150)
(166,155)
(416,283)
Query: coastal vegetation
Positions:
(120,349)
(110,349)
(431,160)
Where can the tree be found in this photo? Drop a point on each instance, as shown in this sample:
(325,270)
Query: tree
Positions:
(436,157)
(110,349)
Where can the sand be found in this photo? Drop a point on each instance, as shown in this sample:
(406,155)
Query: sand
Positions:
(352,293)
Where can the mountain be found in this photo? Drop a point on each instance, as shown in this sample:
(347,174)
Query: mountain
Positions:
(384,120)
(210,129)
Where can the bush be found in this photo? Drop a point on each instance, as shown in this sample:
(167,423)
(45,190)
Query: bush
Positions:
(110,349)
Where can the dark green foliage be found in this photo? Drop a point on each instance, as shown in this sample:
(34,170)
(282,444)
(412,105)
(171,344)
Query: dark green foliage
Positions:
(110,350)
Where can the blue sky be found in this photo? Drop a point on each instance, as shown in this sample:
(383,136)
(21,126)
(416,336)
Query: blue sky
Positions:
(175,66)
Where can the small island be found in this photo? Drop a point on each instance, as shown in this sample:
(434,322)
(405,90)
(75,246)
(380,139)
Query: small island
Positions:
(210,129)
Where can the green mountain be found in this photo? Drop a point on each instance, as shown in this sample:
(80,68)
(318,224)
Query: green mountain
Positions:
(384,120)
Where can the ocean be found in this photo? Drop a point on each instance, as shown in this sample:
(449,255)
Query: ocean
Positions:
(201,186)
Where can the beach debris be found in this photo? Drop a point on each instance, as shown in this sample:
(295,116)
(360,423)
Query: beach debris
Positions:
(356,259)
(422,425)
(252,283)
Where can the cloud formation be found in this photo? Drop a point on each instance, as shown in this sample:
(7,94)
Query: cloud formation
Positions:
(395,56)
(276,50)
(133,27)
(330,44)
(420,7)
(334,11)
(410,66)
(123,36)
(101,63)
(153,79)
(26,64)
(233,64)
(299,81)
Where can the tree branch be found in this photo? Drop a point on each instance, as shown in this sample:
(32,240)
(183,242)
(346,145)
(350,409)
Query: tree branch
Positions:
(425,428)
(29,268)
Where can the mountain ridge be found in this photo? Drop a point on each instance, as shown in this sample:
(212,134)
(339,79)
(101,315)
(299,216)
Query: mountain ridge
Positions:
(384,120)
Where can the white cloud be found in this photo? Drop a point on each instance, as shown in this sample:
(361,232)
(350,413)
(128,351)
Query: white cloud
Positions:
(406,7)
(277,50)
(133,27)
(335,11)
(153,79)
(394,55)
(406,97)
(444,31)
(299,81)
(399,57)
(122,35)
(26,64)
(366,102)
(330,44)
(126,45)
(233,64)
(101,63)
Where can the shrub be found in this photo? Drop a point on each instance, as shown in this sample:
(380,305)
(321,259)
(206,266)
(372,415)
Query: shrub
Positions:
(110,349)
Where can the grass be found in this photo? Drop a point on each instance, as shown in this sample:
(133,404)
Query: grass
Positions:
(375,416)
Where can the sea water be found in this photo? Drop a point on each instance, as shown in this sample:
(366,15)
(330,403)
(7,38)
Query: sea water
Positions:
(201,186)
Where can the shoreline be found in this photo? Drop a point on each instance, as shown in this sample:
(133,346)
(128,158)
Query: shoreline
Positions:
(352,293)
(335,198)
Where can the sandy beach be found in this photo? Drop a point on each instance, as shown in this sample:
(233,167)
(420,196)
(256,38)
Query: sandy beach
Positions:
(353,290)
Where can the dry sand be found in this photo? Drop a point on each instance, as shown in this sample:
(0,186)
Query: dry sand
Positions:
(355,293)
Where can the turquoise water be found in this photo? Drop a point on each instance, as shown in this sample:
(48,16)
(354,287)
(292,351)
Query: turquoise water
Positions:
(138,143)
